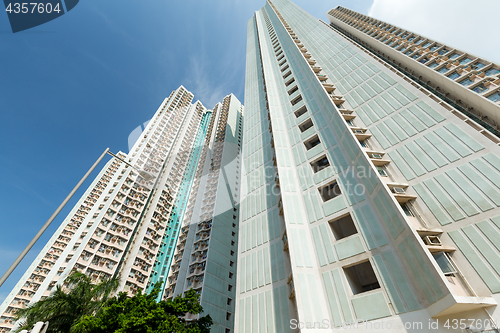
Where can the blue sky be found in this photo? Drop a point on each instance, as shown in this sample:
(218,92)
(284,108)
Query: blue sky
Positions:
(81,83)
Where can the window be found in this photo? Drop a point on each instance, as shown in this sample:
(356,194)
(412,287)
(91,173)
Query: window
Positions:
(479,88)
(230,275)
(426,44)
(320,164)
(454,75)
(229,287)
(296,100)
(434,48)
(285,68)
(443,51)
(433,64)
(443,69)
(382,171)
(313,142)
(424,60)
(343,227)
(232,252)
(364,144)
(407,210)
(454,56)
(290,82)
(294,89)
(444,263)
(494,97)
(287,74)
(306,125)
(465,61)
(477,65)
(330,191)
(229,301)
(491,71)
(228,316)
(231,263)
(361,277)
(466,82)
(300,111)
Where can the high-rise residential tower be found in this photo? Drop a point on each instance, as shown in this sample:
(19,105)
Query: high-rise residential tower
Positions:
(131,217)
(366,197)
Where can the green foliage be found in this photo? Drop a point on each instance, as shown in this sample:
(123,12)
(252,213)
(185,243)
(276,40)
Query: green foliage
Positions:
(68,305)
(143,314)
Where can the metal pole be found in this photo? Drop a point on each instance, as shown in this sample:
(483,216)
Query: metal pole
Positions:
(49,221)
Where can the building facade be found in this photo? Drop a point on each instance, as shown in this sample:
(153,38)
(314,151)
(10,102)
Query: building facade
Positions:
(129,220)
(366,197)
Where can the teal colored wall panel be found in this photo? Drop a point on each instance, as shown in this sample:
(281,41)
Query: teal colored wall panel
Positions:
(431,203)
(470,190)
(406,92)
(413,120)
(381,82)
(392,101)
(349,247)
(380,138)
(456,195)
(332,299)
(421,156)
(389,285)
(402,166)
(409,130)
(396,129)
(487,171)
(372,306)
(486,250)
(489,278)
(399,97)
(465,138)
(320,252)
(453,142)
(326,235)
(422,116)
(388,134)
(401,281)
(365,230)
(374,86)
(430,111)
(417,274)
(374,224)
(442,147)
(435,156)
(387,78)
(489,190)
(343,300)
(492,233)
(444,200)
(334,205)
(411,161)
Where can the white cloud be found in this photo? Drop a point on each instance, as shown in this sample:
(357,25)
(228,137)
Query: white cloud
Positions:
(470,26)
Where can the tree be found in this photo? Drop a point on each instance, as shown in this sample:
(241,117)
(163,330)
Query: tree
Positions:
(68,304)
(142,313)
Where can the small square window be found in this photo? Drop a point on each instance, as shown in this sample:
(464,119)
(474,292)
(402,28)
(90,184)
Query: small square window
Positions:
(300,111)
(443,51)
(228,316)
(361,277)
(443,69)
(330,191)
(479,88)
(231,263)
(306,125)
(320,164)
(454,56)
(454,75)
(312,142)
(343,227)
(230,275)
(433,64)
(444,263)
(229,287)
(466,82)
(407,210)
(477,65)
(465,61)
(491,71)
(494,97)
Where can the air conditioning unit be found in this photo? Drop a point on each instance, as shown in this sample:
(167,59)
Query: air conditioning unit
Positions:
(432,240)
(398,190)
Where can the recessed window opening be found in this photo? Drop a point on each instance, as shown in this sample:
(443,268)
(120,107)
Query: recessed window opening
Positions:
(444,262)
(361,278)
(407,210)
(300,111)
(279,53)
(306,125)
(343,227)
(292,80)
(294,89)
(312,142)
(285,68)
(287,74)
(296,100)
(279,59)
(281,63)
(382,171)
(320,164)
(330,191)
